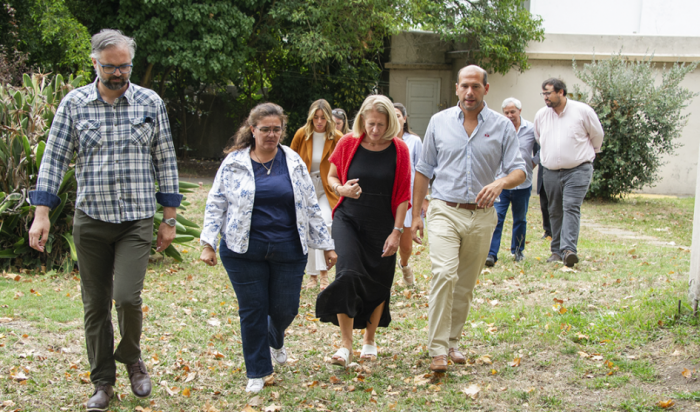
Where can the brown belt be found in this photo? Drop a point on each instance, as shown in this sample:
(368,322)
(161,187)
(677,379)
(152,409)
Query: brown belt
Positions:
(468,206)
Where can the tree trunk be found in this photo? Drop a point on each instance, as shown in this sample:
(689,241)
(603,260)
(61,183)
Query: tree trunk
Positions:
(163,81)
(694,275)
(147,77)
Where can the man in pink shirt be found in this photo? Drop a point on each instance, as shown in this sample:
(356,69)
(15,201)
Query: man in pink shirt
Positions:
(569,134)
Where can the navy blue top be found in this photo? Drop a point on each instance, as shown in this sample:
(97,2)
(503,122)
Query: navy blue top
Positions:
(274,216)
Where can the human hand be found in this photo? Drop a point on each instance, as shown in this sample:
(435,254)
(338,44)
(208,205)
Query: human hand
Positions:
(166,234)
(391,245)
(416,228)
(208,256)
(330,257)
(39,232)
(488,195)
(351,189)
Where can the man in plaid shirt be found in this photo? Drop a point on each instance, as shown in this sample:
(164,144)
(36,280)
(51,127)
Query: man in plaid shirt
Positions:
(121,135)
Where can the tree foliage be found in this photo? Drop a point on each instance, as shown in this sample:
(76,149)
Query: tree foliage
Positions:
(642,117)
(48,33)
(492,33)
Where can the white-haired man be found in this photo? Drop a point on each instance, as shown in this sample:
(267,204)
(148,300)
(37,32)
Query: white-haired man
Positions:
(121,135)
(519,197)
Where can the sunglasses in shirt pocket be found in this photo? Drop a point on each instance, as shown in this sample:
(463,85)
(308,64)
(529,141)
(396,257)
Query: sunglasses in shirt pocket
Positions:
(89,133)
(142,130)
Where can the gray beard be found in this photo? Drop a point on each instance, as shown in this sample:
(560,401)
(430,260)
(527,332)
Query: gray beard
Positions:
(113,85)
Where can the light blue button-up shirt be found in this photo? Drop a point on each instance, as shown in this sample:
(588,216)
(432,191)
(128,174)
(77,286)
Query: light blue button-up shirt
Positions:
(464,164)
(526,137)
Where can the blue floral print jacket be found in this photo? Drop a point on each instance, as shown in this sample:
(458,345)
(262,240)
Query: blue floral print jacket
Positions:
(230,204)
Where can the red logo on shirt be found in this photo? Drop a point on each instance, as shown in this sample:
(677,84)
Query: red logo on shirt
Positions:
(486,135)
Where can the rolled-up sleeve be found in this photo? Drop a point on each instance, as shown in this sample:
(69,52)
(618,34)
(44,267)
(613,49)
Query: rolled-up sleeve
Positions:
(57,156)
(512,160)
(594,129)
(165,161)
(428,157)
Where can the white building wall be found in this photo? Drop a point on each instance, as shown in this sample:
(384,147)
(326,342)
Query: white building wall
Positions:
(610,17)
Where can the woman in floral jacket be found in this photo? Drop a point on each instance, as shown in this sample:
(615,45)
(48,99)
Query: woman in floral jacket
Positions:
(264,206)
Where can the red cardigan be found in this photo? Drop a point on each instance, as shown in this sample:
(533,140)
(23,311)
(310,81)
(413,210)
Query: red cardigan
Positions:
(345,151)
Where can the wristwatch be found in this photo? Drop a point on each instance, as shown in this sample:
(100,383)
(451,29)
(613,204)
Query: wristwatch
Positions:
(400,229)
(170,222)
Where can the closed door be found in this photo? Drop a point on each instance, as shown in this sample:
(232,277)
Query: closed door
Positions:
(423,102)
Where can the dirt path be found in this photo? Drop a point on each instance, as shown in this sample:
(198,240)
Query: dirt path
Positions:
(627,234)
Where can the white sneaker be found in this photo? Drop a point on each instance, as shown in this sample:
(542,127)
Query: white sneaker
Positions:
(255,385)
(279,355)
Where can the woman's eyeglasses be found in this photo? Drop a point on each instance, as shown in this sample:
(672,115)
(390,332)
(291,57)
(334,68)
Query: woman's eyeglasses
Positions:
(338,113)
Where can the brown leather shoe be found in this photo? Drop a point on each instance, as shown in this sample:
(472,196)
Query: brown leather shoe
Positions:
(457,356)
(439,363)
(140,381)
(570,258)
(100,399)
(554,258)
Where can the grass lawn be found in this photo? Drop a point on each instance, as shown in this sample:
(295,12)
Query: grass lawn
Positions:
(607,336)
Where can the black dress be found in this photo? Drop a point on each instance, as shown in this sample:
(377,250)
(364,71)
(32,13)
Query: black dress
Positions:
(360,228)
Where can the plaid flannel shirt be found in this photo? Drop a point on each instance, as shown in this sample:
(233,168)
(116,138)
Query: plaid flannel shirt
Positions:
(122,149)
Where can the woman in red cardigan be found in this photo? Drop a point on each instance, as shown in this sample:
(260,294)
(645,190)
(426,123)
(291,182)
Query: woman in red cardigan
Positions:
(371,172)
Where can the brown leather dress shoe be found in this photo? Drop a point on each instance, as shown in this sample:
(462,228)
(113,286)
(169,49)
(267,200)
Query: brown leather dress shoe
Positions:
(439,363)
(100,399)
(457,356)
(570,258)
(140,381)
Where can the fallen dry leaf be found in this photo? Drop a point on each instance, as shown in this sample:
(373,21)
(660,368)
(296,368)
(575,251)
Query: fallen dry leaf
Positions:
(186,392)
(421,380)
(666,404)
(248,408)
(472,391)
(272,408)
(190,377)
(255,401)
(214,322)
(687,373)
(5,320)
(515,363)
(164,384)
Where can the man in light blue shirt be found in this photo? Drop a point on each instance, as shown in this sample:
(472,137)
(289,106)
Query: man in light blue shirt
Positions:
(464,148)
(520,196)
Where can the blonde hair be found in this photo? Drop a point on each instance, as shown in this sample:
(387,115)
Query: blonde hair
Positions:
(244,136)
(379,104)
(324,107)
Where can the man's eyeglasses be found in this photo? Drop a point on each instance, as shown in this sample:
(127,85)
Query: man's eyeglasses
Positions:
(546,94)
(110,69)
(338,113)
(268,130)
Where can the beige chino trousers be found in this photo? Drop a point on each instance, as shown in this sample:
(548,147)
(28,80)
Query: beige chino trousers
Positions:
(459,243)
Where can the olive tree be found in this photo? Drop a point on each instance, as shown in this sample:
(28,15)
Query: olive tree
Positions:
(641,107)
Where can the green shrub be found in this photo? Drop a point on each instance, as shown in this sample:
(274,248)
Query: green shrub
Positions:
(642,119)
(26,114)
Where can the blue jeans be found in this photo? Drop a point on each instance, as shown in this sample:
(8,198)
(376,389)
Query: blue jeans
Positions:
(520,199)
(267,281)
